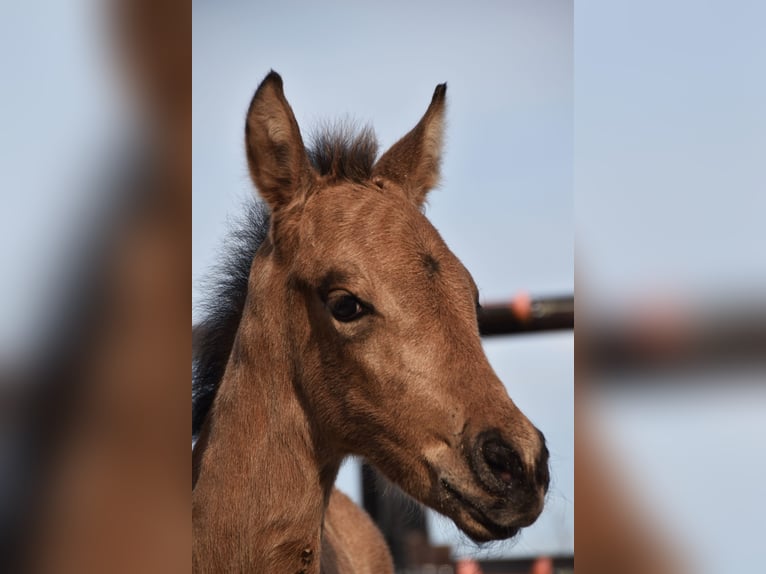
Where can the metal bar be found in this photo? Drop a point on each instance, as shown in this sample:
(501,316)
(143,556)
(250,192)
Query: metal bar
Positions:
(676,341)
(524,314)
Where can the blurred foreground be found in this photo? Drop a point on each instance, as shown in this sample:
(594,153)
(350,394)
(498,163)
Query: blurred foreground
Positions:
(94,389)
(670,419)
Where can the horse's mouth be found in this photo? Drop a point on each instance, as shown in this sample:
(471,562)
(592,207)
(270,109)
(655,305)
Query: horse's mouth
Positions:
(480,527)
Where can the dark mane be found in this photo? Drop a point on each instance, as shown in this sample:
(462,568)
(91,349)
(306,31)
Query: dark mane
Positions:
(213,336)
(341,152)
(344,152)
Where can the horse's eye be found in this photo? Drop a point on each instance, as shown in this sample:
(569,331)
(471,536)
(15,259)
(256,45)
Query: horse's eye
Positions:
(345,307)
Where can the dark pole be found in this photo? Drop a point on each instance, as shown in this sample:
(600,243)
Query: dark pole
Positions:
(524,314)
(401,520)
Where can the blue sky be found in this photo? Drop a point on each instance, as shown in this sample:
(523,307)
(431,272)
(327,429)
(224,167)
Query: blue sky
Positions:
(505,203)
(670,101)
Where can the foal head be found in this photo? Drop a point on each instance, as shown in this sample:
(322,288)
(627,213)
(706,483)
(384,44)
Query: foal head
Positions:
(381,320)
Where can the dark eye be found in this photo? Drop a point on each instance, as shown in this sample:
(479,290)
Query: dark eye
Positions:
(345,307)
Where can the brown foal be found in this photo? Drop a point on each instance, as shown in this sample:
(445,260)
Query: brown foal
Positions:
(358,336)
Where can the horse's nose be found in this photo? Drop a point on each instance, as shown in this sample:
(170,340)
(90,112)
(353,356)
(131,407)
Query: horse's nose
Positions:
(504,467)
(502,460)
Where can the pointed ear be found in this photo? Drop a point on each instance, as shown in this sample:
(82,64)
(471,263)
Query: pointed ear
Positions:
(276,155)
(413,162)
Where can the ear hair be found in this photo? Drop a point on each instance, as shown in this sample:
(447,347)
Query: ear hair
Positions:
(276,156)
(414,161)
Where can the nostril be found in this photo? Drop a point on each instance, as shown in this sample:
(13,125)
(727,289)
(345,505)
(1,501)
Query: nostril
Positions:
(502,460)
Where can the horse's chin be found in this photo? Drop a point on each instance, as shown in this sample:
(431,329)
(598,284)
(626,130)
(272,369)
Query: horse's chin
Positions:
(486,532)
(472,517)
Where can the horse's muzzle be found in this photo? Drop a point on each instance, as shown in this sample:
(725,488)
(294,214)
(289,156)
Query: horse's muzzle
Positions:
(514,491)
(499,467)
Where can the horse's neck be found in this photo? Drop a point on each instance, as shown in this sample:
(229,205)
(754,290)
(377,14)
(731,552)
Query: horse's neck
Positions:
(263,482)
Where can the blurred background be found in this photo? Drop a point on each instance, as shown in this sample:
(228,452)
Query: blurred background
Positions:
(670,135)
(505,203)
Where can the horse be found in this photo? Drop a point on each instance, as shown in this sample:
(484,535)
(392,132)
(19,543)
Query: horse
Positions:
(347,327)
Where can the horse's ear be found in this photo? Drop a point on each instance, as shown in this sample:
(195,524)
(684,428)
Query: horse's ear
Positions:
(276,155)
(413,162)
